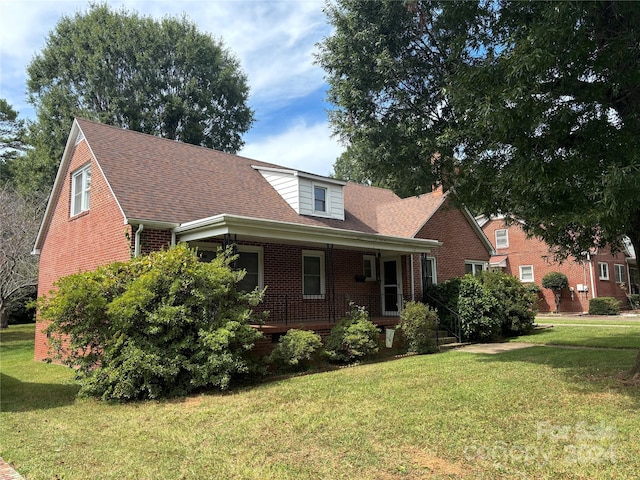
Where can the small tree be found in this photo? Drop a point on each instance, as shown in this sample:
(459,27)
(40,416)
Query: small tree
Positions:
(161,325)
(20,216)
(556,282)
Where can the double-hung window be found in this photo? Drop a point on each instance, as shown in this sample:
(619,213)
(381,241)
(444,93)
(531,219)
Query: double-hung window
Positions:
(80,189)
(603,269)
(312,274)
(250,260)
(320,199)
(474,267)
(429,271)
(620,273)
(369,267)
(502,238)
(526,273)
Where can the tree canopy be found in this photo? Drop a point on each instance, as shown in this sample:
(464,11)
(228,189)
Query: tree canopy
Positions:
(11,139)
(526,109)
(161,77)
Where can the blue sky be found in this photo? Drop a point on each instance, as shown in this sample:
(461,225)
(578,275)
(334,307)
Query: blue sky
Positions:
(273,40)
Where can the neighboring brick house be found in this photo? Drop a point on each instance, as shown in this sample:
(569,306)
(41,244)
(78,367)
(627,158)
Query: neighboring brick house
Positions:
(530,259)
(316,242)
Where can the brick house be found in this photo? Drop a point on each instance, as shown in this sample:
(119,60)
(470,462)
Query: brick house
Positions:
(317,243)
(601,275)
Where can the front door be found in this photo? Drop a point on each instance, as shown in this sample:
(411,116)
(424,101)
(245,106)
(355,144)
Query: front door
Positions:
(391,287)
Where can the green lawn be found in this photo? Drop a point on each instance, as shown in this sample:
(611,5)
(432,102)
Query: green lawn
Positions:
(539,412)
(579,320)
(586,336)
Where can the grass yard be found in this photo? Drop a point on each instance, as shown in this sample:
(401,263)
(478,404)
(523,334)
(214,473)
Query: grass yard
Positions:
(539,412)
(594,320)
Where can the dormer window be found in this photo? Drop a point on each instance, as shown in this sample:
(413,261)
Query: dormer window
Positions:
(306,193)
(320,199)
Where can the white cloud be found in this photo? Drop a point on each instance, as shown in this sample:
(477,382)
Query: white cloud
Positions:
(304,147)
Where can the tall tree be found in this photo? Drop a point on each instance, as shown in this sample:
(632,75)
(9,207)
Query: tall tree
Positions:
(161,77)
(541,102)
(388,65)
(20,216)
(11,139)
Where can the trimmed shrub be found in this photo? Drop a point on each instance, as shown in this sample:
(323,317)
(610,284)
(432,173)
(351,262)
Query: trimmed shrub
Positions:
(353,338)
(160,325)
(604,306)
(295,349)
(517,305)
(418,323)
(478,310)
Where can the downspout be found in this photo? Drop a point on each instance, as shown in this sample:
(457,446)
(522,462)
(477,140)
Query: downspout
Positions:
(173,238)
(593,283)
(136,248)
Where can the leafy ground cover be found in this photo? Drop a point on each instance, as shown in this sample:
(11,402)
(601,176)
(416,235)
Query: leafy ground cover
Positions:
(539,412)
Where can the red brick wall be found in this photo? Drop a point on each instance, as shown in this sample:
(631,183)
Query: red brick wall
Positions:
(530,251)
(460,242)
(81,243)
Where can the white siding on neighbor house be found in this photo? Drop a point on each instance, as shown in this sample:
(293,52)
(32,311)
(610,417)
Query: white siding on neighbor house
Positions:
(286,185)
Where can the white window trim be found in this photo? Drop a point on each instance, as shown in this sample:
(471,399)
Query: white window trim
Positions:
(603,273)
(527,280)
(372,259)
(260,251)
(617,267)
(476,263)
(506,238)
(434,269)
(319,254)
(86,190)
(326,212)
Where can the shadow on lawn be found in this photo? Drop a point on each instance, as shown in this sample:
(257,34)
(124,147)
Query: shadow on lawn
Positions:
(588,368)
(18,396)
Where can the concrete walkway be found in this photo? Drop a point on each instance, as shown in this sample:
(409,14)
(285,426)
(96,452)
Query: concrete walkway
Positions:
(8,473)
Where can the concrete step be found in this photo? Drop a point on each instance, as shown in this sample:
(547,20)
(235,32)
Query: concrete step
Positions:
(446,340)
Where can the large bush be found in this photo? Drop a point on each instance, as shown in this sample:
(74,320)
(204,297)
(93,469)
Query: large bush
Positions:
(160,325)
(478,310)
(517,303)
(418,323)
(604,306)
(353,338)
(295,349)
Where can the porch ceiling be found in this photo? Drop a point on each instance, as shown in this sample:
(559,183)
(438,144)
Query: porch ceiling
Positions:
(269,230)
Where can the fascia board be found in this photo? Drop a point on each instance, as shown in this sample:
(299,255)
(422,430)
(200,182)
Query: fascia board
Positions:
(298,173)
(284,231)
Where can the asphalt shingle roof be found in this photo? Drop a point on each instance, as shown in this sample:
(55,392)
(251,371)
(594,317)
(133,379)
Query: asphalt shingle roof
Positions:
(167,181)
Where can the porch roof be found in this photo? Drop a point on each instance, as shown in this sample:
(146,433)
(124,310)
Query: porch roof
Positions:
(286,232)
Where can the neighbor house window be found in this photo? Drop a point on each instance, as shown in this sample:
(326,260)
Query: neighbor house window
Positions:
(250,259)
(526,273)
(80,188)
(429,271)
(620,273)
(603,268)
(312,274)
(502,238)
(474,267)
(369,267)
(319,199)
